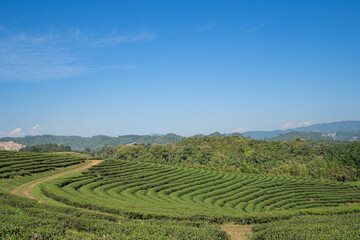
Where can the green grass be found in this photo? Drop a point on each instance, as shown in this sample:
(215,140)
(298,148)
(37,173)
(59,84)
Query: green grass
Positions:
(21,218)
(146,190)
(18,164)
(344,226)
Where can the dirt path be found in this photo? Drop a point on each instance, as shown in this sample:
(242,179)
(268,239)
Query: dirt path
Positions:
(32,184)
(237,232)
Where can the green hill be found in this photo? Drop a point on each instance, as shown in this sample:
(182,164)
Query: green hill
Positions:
(95,142)
(340,161)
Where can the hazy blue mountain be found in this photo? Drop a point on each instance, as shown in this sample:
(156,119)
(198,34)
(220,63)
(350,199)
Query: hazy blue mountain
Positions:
(263,134)
(217,134)
(320,127)
(337,136)
(290,136)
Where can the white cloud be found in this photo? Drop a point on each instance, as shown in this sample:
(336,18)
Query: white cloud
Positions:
(240,130)
(35,130)
(2,134)
(18,132)
(290,125)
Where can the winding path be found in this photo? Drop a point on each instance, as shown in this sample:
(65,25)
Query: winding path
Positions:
(237,232)
(30,185)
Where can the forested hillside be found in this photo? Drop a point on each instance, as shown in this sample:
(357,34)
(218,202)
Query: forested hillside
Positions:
(297,158)
(95,142)
(46,148)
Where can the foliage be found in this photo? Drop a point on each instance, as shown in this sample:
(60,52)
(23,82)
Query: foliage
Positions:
(46,148)
(21,218)
(297,158)
(95,142)
(343,226)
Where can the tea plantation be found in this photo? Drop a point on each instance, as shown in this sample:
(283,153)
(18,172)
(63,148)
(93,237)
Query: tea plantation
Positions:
(123,199)
(147,190)
(16,164)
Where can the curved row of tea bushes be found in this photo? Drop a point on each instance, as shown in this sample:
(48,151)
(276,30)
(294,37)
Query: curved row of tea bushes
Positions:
(14,164)
(21,218)
(154,190)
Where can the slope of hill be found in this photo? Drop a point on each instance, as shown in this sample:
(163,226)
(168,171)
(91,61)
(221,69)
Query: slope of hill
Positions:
(147,190)
(340,161)
(320,127)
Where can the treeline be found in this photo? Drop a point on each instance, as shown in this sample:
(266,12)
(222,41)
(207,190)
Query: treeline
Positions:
(94,143)
(297,158)
(46,148)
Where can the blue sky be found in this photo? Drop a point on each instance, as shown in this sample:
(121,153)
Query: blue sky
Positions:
(188,67)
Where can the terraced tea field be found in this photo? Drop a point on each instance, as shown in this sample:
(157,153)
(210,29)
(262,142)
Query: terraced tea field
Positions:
(16,164)
(144,190)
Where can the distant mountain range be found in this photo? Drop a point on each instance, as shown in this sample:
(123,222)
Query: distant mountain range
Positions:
(337,136)
(327,128)
(341,131)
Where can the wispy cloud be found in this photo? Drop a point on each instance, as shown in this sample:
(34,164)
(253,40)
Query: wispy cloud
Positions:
(110,41)
(37,57)
(249,28)
(143,37)
(27,58)
(291,125)
(206,27)
(35,130)
(115,40)
(117,67)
